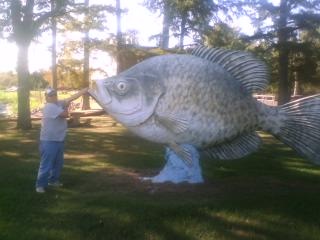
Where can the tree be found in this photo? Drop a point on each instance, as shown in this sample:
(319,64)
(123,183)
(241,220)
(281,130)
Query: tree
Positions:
(21,22)
(86,18)
(192,17)
(165,36)
(308,68)
(54,48)
(164,6)
(86,56)
(37,81)
(119,37)
(281,26)
(222,35)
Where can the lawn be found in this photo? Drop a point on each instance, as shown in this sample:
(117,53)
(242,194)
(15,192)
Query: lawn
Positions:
(272,194)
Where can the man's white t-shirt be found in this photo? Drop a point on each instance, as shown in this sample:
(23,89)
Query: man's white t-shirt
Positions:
(53,127)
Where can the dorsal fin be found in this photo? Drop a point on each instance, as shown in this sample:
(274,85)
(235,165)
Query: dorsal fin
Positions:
(250,72)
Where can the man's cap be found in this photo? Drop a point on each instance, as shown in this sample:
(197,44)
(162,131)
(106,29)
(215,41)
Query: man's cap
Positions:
(50,92)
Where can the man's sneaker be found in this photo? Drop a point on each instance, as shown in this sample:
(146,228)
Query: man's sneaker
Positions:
(40,190)
(55,184)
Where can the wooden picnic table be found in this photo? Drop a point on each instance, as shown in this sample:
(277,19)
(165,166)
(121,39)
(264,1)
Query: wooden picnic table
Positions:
(75,116)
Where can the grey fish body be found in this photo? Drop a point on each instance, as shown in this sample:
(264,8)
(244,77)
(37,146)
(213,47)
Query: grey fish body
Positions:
(202,97)
(205,99)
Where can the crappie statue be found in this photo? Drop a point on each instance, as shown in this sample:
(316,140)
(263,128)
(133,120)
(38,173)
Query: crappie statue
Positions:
(203,102)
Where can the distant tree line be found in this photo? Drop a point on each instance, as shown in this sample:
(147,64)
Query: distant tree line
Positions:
(287,37)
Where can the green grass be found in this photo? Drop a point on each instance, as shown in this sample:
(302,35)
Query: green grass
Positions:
(272,194)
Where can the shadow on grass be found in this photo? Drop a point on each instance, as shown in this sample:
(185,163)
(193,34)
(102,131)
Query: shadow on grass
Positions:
(272,194)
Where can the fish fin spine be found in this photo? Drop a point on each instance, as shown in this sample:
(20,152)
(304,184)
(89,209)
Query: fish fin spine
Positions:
(252,73)
(300,126)
(172,122)
(236,148)
(184,153)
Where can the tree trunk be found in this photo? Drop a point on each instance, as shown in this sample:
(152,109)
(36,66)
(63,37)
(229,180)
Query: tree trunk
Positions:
(120,65)
(86,61)
(164,41)
(183,32)
(24,119)
(86,71)
(284,86)
(54,49)
(296,89)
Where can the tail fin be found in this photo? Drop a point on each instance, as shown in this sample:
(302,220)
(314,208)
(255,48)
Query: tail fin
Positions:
(300,126)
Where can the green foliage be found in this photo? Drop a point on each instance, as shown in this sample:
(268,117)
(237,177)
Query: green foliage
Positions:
(273,194)
(8,79)
(185,18)
(192,16)
(84,18)
(22,21)
(221,35)
(129,55)
(287,28)
(70,68)
(37,81)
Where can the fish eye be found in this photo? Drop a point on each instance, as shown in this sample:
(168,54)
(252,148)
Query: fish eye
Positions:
(122,87)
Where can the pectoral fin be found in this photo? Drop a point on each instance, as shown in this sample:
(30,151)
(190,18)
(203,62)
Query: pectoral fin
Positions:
(172,122)
(183,153)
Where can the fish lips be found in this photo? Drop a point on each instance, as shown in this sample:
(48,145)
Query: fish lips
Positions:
(130,114)
(99,94)
(102,94)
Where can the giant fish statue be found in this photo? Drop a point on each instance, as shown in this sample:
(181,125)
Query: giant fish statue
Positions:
(203,102)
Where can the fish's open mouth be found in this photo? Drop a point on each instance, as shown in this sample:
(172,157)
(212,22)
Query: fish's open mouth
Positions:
(99,93)
(95,95)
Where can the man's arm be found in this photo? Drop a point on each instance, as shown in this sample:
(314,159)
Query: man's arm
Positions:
(64,114)
(75,96)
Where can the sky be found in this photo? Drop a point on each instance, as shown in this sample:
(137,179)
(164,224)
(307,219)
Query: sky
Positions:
(138,18)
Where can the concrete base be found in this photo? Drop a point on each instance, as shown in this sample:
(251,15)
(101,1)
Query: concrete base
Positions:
(177,171)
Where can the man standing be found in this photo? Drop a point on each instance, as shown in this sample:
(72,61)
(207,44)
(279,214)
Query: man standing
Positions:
(52,135)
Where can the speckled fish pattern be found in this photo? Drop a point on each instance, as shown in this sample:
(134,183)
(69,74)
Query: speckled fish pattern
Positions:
(205,99)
